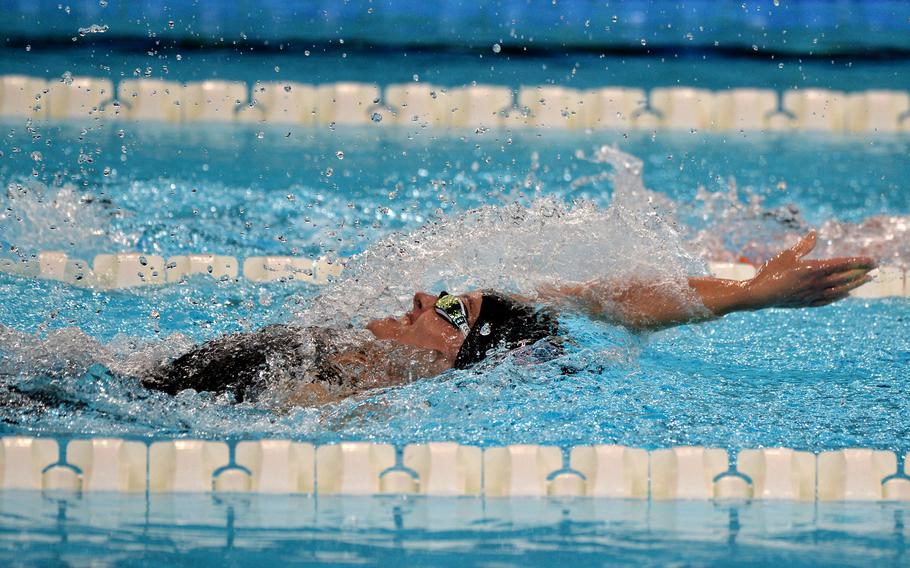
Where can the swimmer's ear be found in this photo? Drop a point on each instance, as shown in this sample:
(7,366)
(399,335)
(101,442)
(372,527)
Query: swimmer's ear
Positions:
(805,245)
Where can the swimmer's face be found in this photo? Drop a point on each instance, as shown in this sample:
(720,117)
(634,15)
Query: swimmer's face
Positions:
(423,327)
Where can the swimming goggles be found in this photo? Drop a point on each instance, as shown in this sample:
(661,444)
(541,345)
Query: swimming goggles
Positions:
(452,309)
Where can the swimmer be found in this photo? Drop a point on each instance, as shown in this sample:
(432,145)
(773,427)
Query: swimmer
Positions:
(312,366)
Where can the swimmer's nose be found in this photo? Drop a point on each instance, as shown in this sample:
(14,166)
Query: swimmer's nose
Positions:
(423,302)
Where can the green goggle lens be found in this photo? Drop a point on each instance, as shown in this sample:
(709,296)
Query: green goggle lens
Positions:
(452,309)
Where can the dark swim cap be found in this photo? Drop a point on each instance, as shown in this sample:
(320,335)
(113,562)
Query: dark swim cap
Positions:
(504,323)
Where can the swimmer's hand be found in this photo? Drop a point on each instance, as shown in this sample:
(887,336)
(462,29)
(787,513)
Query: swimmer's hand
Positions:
(790,281)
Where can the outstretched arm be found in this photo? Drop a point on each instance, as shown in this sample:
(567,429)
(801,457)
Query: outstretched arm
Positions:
(786,281)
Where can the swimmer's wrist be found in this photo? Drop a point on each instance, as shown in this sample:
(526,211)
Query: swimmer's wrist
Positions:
(751,296)
(722,296)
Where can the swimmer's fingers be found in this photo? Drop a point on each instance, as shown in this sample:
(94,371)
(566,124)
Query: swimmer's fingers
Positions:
(837,293)
(845,277)
(805,245)
(833,265)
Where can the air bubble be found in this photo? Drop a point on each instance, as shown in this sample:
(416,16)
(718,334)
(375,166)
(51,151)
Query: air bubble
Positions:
(339,154)
(497,48)
(376,117)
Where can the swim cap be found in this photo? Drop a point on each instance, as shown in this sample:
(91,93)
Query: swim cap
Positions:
(504,323)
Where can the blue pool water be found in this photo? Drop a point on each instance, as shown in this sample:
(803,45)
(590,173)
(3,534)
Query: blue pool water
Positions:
(811,380)
(396,531)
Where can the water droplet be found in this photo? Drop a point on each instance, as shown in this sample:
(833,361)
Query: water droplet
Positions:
(614,19)
(260,135)
(643,41)
(277,69)
(28,47)
(497,48)
(102,3)
(170,24)
(329,172)
(485,329)
(179,57)
(306,52)
(66,78)
(376,117)
(106,171)
(287,88)
(416,77)
(780,65)
(93,29)
(339,154)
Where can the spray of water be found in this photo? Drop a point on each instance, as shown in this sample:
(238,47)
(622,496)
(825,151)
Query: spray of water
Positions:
(516,249)
(35,217)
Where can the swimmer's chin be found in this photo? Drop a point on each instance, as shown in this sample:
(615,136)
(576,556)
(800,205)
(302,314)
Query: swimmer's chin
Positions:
(386,328)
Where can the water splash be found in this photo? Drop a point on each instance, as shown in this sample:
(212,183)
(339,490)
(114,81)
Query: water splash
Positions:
(736,225)
(515,248)
(35,217)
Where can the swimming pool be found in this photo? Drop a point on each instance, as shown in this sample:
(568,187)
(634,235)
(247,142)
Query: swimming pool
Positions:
(639,391)
(813,381)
